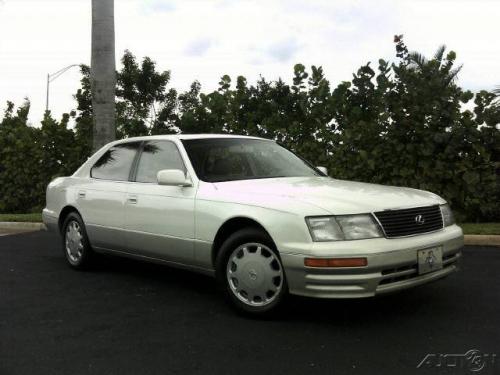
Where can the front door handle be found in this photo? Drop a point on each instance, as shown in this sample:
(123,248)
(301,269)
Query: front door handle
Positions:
(132,199)
(81,194)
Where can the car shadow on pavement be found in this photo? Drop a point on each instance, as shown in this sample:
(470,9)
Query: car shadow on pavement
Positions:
(420,301)
(370,310)
(158,273)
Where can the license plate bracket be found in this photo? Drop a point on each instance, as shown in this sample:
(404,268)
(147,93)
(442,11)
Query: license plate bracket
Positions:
(430,259)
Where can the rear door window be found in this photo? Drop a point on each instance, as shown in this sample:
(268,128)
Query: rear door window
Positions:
(116,163)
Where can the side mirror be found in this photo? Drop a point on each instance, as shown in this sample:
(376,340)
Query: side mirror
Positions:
(172,177)
(323,170)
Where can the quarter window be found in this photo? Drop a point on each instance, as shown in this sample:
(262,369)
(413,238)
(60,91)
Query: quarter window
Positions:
(155,156)
(116,163)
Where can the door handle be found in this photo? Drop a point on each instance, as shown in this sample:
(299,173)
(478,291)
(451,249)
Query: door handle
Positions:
(132,199)
(81,194)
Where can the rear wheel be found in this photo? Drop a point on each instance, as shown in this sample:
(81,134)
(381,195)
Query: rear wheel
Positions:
(250,271)
(76,245)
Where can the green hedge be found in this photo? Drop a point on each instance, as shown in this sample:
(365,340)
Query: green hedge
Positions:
(481,228)
(23,218)
(405,123)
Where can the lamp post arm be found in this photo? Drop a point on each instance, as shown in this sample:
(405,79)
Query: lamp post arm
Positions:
(52,77)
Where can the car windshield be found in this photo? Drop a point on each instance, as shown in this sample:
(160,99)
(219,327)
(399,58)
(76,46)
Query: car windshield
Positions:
(230,159)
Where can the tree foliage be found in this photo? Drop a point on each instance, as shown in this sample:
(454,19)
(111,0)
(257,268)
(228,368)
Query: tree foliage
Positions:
(30,157)
(403,123)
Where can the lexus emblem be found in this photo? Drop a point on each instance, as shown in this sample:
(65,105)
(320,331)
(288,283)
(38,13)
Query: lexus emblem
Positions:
(419,219)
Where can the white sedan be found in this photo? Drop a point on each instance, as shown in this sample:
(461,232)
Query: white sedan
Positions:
(260,219)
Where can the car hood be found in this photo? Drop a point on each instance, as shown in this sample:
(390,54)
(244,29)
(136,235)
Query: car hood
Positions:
(334,196)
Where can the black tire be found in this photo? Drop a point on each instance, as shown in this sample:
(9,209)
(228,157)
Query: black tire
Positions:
(85,260)
(233,242)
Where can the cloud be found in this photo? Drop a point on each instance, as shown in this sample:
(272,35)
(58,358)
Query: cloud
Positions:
(282,51)
(159,6)
(198,47)
(244,38)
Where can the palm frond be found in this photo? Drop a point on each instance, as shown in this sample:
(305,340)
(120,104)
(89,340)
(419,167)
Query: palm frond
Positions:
(417,59)
(438,55)
(453,74)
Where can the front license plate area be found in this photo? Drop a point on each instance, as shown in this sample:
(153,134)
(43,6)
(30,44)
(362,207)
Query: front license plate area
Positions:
(430,260)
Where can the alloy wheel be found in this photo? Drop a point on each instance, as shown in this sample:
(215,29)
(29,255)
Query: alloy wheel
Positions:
(254,274)
(74,242)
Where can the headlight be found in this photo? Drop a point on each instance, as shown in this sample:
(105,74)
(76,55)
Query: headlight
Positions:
(345,227)
(324,228)
(448,218)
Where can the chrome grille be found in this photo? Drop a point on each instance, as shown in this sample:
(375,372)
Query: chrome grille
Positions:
(400,223)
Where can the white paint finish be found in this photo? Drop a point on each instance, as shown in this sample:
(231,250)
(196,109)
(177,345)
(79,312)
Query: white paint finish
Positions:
(178,224)
(102,206)
(161,221)
(335,196)
(282,217)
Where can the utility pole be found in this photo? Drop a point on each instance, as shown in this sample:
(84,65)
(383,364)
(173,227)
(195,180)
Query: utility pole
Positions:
(103,72)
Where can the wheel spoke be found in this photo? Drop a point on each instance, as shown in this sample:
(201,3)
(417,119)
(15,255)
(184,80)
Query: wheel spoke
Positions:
(274,272)
(270,285)
(236,273)
(237,286)
(236,261)
(250,295)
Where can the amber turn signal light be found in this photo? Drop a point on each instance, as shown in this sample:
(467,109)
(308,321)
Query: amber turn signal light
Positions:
(335,262)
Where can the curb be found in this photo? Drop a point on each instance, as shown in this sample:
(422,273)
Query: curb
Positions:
(481,240)
(21,226)
(469,239)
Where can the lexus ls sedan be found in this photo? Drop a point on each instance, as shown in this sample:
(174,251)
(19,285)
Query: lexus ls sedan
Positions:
(257,217)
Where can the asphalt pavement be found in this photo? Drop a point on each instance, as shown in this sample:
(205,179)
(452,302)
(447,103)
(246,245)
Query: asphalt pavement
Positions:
(129,317)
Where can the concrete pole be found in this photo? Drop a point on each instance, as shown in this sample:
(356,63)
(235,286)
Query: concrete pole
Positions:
(103,72)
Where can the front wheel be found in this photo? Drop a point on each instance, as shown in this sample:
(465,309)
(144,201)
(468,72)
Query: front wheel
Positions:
(250,271)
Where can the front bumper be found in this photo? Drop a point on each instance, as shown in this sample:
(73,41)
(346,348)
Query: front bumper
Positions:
(392,265)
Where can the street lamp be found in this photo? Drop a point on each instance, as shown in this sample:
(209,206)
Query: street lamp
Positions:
(52,77)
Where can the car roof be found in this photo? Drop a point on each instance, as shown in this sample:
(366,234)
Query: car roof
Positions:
(185,136)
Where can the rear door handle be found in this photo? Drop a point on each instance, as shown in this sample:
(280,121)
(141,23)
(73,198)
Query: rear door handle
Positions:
(81,194)
(132,199)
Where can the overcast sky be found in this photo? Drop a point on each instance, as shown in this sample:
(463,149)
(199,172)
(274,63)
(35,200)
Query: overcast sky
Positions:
(205,39)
